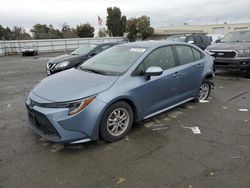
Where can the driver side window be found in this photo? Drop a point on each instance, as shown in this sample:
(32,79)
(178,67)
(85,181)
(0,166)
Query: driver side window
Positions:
(161,57)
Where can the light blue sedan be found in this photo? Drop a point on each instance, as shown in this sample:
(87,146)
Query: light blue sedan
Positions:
(109,92)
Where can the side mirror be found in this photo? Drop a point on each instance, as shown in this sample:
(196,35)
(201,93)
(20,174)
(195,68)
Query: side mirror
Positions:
(153,71)
(191,42)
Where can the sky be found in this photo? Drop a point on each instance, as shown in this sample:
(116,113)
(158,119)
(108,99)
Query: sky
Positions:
(25,13)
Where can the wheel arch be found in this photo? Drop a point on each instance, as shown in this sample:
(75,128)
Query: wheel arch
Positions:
(209,76)
(128,101)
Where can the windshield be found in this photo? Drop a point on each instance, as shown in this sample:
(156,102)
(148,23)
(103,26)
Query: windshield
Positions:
(239,36)
(114,61)
(85,49)
(177,38)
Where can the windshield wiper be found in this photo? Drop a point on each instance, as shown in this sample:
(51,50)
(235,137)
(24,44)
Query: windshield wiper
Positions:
(94,71)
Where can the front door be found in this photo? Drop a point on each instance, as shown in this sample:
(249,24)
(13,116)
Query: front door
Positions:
(159,91)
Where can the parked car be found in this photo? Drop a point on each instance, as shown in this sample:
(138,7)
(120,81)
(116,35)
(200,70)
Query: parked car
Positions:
(232,52)
(29,50)
(128,83)
(200,40)
(77,57)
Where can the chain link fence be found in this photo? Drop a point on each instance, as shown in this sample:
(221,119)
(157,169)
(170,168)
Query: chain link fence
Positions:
(9,47)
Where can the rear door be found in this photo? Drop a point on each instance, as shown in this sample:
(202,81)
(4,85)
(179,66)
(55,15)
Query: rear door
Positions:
(190,70)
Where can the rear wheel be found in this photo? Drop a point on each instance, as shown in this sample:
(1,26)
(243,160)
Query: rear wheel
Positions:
(116,122)
(205,90)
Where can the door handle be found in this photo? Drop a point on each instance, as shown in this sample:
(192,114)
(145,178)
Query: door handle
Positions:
(176,74)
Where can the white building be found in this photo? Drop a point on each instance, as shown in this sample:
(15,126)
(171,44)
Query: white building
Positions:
(221,29)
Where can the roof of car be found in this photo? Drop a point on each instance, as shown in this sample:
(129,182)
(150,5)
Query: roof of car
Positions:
(151,44)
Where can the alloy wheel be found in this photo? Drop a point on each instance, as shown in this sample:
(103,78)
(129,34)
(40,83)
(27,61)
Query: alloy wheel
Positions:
(118,122)
(204,91)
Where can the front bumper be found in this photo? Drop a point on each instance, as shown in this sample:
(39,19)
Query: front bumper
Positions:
(28,52)
(54,124)
(241,63)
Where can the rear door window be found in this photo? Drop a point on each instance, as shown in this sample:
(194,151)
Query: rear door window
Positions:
(197,54)
(198,39)
(185,54)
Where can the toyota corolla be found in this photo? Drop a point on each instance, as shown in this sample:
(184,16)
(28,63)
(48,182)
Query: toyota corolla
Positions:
(127,83)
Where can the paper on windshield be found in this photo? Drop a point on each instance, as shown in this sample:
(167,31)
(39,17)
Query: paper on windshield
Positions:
(141,50)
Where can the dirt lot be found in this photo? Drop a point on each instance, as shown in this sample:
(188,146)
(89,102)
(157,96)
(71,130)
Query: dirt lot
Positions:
(160,152)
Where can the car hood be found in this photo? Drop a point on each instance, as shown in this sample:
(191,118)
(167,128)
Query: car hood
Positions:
(72,84)
(230,46)
(61,58)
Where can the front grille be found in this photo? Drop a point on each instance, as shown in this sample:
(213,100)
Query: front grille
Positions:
(224,54)
(40,122)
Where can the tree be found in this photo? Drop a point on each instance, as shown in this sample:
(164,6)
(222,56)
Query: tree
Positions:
(139,26)
(115,22)
(14,34)
(54,33)
(144,27)
(132,29)
(42,31)
(85,30)
(2,32)
(68,32)
(20,33)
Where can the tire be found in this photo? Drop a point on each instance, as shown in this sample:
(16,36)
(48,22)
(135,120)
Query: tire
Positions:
(23,54)
(204,91)
(248,73)
(110,123)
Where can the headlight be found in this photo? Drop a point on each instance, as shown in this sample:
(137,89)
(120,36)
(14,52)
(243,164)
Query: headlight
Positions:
(62,64)
(244,52)
(79,106)
(74,106)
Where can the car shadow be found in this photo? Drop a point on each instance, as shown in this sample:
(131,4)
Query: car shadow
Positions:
(230,74)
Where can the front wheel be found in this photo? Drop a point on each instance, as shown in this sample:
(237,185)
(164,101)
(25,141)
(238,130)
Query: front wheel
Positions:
(116,122)
(205,90)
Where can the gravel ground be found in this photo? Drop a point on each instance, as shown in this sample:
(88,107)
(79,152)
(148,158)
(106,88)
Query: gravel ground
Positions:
(160,152)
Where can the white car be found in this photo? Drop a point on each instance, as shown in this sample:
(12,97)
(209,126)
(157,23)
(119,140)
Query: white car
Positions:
(29,50)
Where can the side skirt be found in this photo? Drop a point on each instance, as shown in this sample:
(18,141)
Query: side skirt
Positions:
(158,112)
